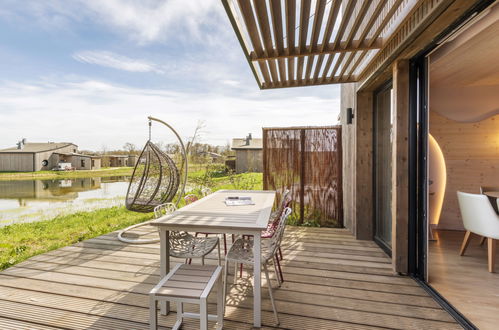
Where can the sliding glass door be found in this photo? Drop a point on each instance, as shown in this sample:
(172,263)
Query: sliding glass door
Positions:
(383,138)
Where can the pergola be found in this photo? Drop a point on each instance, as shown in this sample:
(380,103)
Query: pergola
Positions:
(291,43)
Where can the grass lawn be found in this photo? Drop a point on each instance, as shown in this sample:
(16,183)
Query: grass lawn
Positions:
(106,171)
(19,242)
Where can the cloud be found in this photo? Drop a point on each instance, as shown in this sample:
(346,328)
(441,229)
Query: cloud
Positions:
(149,21)
(115,61)
(94,113)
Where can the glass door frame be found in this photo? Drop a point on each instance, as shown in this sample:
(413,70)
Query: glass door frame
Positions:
(418,166)
(388,85)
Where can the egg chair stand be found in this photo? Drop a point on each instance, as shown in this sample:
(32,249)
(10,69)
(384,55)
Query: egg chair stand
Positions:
(156,180)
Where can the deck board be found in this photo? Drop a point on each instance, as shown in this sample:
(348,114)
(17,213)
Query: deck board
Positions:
(332,282)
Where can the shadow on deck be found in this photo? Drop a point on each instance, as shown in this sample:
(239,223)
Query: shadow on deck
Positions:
(332,282)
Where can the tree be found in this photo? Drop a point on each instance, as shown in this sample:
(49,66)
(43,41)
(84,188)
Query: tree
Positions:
(130,147)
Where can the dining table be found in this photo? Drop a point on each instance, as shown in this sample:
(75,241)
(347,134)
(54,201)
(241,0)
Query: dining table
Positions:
(494,199)
(212,214)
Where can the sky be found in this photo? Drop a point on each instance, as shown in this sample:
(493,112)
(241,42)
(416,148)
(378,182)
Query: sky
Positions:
(91,71)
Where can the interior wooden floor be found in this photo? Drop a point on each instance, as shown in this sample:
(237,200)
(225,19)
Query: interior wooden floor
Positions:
(464,281)
(332,282)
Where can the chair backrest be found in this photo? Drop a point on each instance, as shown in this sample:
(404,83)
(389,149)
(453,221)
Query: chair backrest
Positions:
(478,215)
(191,198)
(285,202)
(484,189)
(164,209)
(205,192)
(275,241)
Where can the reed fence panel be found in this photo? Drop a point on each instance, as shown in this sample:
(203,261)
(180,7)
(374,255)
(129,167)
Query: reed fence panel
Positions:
(308,161)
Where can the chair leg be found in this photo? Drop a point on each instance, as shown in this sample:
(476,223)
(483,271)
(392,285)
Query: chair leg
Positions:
(466,241)
(225,244)
(203,314)
(180,312)
(270,292)
(491,244)
(241,270)
(225,282)
(219,255)
(482,240)
(220,304)
(280,270)
(276,270)
(202,260)
(280,253)
(153,313)
(235,273)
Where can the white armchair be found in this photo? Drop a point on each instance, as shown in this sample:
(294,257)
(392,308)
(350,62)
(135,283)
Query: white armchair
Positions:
(479,218)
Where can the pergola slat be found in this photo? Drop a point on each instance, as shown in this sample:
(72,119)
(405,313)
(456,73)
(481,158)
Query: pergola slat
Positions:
(353,30)
(249,21)
(290,6)
(316,28)
(329,49)
(376,33)
(303,32)
(358,19)
(263,21)
(339,34)
(333,15)
(276,13)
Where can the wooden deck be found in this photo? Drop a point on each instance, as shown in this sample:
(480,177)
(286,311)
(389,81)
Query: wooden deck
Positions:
(332,282)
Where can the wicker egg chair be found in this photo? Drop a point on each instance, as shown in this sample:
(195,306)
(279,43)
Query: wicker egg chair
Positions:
(157,179)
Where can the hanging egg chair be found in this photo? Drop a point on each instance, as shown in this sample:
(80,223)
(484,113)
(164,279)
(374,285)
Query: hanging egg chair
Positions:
(157,179)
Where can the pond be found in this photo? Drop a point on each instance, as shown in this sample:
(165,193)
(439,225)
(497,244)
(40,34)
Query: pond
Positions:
(35,200)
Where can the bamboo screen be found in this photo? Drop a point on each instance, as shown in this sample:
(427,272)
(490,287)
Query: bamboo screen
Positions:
(308,161)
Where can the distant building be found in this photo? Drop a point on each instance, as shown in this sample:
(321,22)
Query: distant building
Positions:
(213,156)
(249,153)
(117,160)
(35,156)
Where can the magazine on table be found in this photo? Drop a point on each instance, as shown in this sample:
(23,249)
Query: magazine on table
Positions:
(238,201)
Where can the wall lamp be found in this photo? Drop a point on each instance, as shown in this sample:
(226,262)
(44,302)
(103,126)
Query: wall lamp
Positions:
(350,116)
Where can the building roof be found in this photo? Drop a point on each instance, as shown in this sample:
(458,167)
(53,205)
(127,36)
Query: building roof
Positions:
(34,147)
(117,156)
(240,144)
(302,44)
(77,154)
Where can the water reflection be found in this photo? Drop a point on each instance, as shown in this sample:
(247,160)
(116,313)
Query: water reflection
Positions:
(32,200)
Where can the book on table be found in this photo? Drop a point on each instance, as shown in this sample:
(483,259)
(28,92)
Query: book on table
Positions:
(238,201)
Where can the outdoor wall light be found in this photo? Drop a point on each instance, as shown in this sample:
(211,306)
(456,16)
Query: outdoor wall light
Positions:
(350,116)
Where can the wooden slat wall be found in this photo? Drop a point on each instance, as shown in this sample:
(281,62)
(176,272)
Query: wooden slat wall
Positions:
(308,161)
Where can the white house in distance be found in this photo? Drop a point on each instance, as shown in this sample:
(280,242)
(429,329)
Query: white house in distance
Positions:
(36,156)
(249,154)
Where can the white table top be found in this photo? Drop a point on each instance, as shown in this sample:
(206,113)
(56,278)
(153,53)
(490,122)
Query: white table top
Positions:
(211,213)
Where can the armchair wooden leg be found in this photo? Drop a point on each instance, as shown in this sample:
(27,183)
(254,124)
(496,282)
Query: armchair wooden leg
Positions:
(491,243)
(482,240)
(466,241)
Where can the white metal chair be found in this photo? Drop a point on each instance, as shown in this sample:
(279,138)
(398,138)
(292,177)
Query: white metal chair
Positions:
(479,218)
(185,245)
(188,284)
(270,231)
(242,252)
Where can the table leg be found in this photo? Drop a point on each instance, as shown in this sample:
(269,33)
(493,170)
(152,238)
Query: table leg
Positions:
(164,236)
(257,282)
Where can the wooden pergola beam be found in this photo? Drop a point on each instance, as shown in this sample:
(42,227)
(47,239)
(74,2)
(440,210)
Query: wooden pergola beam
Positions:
(318,82)
(341,48)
